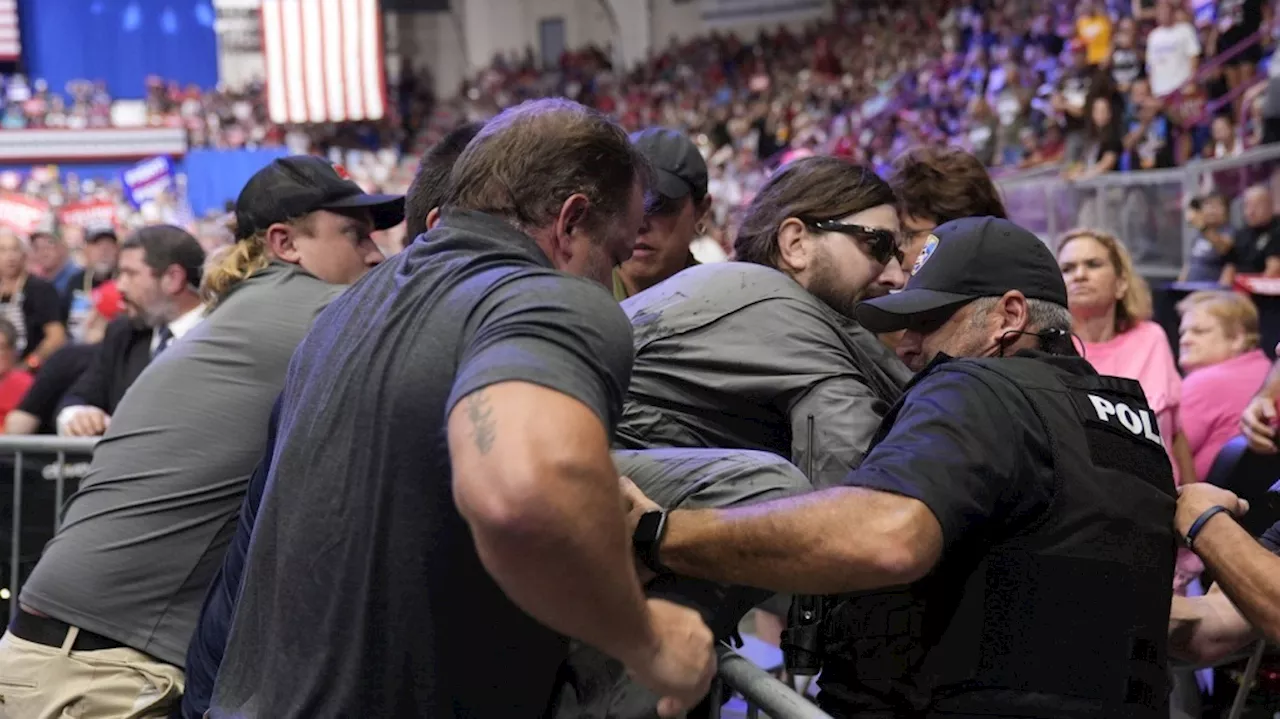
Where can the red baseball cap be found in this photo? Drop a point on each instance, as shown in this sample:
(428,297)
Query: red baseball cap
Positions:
(107,300)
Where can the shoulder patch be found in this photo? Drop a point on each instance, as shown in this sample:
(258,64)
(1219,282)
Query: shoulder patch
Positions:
(926,252)
(1138,422)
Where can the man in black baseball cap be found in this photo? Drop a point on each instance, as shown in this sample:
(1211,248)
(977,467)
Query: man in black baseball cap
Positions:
(675,215)
(305,211)
(101,257)
(1008,470)
(303,235)
(975,258)
(292,187)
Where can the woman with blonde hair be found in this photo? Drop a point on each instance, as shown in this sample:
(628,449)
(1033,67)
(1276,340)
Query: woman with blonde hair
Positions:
(1111,314)
(1218,349)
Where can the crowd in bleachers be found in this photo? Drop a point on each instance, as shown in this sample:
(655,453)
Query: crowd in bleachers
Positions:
(1091,87)
(1016,82)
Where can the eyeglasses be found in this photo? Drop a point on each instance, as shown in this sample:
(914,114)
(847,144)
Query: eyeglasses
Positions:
(882,244)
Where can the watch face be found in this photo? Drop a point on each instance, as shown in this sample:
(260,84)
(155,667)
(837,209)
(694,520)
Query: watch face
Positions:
(650,526)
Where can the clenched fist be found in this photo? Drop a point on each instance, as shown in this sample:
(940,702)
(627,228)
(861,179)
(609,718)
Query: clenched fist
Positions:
(681,663)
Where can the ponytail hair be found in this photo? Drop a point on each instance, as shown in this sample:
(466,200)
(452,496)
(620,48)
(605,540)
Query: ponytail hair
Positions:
(227,269)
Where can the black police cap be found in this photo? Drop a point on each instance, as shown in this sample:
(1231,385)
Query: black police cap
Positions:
(963,260)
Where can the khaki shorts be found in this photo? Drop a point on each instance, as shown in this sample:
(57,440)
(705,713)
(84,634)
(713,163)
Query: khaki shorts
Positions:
(42,682)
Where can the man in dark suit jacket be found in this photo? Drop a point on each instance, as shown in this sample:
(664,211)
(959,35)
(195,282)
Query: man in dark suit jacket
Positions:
(124,352)
(159,278)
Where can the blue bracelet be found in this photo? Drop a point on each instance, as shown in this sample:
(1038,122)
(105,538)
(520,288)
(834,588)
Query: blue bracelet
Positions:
(1203,519)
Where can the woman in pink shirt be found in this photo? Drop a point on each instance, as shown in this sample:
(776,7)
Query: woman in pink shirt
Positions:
(1111,312)
(1218,348)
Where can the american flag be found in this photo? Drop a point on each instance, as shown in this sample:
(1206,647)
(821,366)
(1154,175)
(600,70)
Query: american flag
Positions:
(324,60)
(10,37)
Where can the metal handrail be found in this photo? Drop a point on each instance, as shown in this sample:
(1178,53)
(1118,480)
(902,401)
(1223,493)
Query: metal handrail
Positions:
(1246,681)
(762,691)
(46,444)
(1045,195)
(17,445)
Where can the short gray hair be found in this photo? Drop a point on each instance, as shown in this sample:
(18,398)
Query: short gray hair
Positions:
(1044,315)
(1041,314)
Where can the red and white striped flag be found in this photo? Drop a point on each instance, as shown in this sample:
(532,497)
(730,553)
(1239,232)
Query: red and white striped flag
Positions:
(324,60)
(10,36)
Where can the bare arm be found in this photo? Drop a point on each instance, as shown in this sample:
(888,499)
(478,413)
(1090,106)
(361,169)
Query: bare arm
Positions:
(953,460)
(55,335)
(1246,571)
(1271,386)
(1272,268)
(838,540)
(1257,422)
(533,478)
(1228,277)
(1205,630)
(1253,93)
(1185,462)
(1101,167)
(19,422)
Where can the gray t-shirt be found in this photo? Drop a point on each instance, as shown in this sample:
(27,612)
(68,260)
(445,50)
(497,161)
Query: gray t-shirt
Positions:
(364,594)
(739,355)
(146,532)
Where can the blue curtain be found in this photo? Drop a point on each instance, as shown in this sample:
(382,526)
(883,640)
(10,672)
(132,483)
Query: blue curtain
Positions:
(215,177)
(120,41)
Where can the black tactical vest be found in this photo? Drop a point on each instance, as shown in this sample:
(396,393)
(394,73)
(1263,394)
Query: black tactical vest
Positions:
(1065,617)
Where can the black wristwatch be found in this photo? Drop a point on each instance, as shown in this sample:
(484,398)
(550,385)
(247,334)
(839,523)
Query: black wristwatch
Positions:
(648,538)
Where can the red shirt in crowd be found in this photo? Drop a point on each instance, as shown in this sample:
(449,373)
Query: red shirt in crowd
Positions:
(13,387)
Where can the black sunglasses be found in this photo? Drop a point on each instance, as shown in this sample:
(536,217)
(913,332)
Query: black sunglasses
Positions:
(882,244)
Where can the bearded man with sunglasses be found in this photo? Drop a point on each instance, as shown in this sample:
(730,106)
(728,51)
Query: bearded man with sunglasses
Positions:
(763,353)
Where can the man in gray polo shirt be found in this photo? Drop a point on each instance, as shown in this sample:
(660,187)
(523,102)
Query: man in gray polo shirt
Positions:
(107,614)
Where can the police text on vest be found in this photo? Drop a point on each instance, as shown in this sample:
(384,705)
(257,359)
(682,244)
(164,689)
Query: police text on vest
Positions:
(1139,422)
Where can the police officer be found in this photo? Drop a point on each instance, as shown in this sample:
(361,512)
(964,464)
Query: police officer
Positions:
(963,554)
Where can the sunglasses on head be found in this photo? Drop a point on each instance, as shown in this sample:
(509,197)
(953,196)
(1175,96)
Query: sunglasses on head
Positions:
(881,244)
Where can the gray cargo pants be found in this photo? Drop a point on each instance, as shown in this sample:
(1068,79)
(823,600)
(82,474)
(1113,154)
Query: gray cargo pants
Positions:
(594,686)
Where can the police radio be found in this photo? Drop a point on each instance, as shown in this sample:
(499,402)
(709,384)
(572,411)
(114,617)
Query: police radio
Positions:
(802,639)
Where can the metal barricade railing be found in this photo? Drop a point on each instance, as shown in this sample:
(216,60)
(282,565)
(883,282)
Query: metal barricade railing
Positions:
(762,692)
(18,446)
(1144,208)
